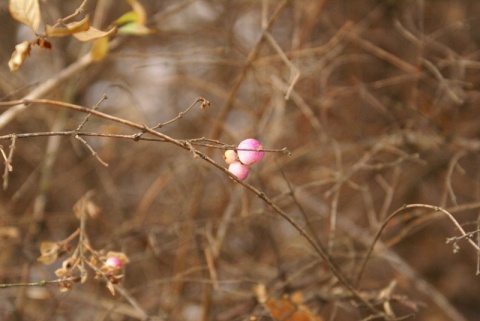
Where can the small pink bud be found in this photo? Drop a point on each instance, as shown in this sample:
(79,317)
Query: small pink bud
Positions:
(238,169)
(230,156)
(249,157)
(113,262)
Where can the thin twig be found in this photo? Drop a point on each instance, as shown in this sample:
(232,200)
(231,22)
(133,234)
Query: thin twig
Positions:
(438,75)
(187,146)
(293,69)
(397,212)
(8,162)
(133,302)
(204,104)
(248,63)
(478,243)
(95,107)
(94,153)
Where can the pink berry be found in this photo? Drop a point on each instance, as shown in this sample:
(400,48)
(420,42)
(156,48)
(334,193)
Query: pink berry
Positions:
(113,262)
(230,156)
(249,157)
(238,169)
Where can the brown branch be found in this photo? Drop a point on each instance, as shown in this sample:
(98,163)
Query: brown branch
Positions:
(401,210)
(189,147)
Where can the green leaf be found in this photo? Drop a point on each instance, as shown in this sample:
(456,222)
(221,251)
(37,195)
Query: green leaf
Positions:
(134,28)
(127,17)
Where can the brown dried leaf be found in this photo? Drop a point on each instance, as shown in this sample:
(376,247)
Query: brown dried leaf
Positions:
(65,286)
(289,309)
(111,288)
(93,33)
(26,11)
(68,29)
(9,233)
(61,272)
(50,252)
(86,206)
(22,50)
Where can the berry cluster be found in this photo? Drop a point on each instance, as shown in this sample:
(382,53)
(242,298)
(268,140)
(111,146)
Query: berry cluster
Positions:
(249,152)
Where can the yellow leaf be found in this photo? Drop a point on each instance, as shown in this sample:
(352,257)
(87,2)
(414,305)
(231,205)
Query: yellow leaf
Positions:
(130,16)
(133,28)
(139,10)
(26,11)
(68,29)
(99,49)
(93,33)
(18,56)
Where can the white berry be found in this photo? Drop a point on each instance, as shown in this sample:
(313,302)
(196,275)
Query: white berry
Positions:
(230,156)
(113,262)
(238,169)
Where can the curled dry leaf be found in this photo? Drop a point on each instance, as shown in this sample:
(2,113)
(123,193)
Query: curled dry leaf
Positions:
(93,33)
(22,50)
(68,29)
(26,12)
(287,309)
(50,251)
(65,285)
(86,206)
(62,272)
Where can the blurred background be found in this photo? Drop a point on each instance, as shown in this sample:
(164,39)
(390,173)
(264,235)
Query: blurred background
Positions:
(377,101)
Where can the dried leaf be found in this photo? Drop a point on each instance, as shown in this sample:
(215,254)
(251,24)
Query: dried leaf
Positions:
(42,43)
(289,309)
(65,286)
(49,252)
(68,29)
(86,206)
(93,33)
(100,49)
(26,11)
(111,288)
(61,272)
(22,50)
